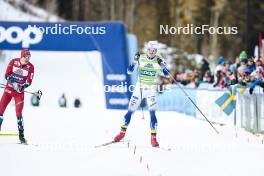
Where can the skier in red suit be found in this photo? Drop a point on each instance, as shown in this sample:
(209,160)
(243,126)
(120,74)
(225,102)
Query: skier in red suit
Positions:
(19,75)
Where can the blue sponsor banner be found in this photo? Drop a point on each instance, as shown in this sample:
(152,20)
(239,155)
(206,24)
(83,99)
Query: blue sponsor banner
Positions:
(108,38)
(175,100)
(132,49)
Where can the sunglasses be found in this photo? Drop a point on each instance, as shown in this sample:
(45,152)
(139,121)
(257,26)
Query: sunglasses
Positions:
(27,57)
(151,50)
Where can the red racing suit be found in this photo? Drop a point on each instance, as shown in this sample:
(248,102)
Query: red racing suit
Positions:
(23,76)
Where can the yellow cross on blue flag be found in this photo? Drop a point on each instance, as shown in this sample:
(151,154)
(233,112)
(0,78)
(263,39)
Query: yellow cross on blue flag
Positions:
(227,102)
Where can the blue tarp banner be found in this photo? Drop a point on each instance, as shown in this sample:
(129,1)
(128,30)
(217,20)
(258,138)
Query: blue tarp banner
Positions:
(175,100)
(108,38)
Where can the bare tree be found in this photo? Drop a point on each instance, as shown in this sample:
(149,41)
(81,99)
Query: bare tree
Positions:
(130,14)
(112,10)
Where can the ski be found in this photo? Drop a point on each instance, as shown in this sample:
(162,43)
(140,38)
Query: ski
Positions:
(108,143)
(22,143)
(163,148)
(8,134)
(105,144)
(28,144)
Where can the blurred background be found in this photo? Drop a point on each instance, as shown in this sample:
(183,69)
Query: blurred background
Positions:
(209,62)
(144,17)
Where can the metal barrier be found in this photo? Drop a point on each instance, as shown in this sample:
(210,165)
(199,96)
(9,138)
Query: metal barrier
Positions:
(250,111)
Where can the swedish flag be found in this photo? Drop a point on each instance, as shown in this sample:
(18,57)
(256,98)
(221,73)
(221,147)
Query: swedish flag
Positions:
(227,102)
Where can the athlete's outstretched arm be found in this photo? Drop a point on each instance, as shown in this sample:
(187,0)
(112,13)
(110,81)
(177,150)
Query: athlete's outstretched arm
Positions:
(131,67)
(164,69)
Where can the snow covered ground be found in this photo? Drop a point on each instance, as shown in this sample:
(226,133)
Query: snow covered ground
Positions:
(66,140)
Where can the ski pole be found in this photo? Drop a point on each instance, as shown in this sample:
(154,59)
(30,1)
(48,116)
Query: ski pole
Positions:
(185,93)
(141,94)
(38,93)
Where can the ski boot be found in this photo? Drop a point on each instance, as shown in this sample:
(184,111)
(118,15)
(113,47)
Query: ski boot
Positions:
(120,136)
(22,138)
(154,142)
(20,126)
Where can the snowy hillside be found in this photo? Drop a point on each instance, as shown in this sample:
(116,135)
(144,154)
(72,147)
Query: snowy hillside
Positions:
(13,12)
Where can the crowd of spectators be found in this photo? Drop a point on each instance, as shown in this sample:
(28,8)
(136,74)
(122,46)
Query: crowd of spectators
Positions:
(245,71)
